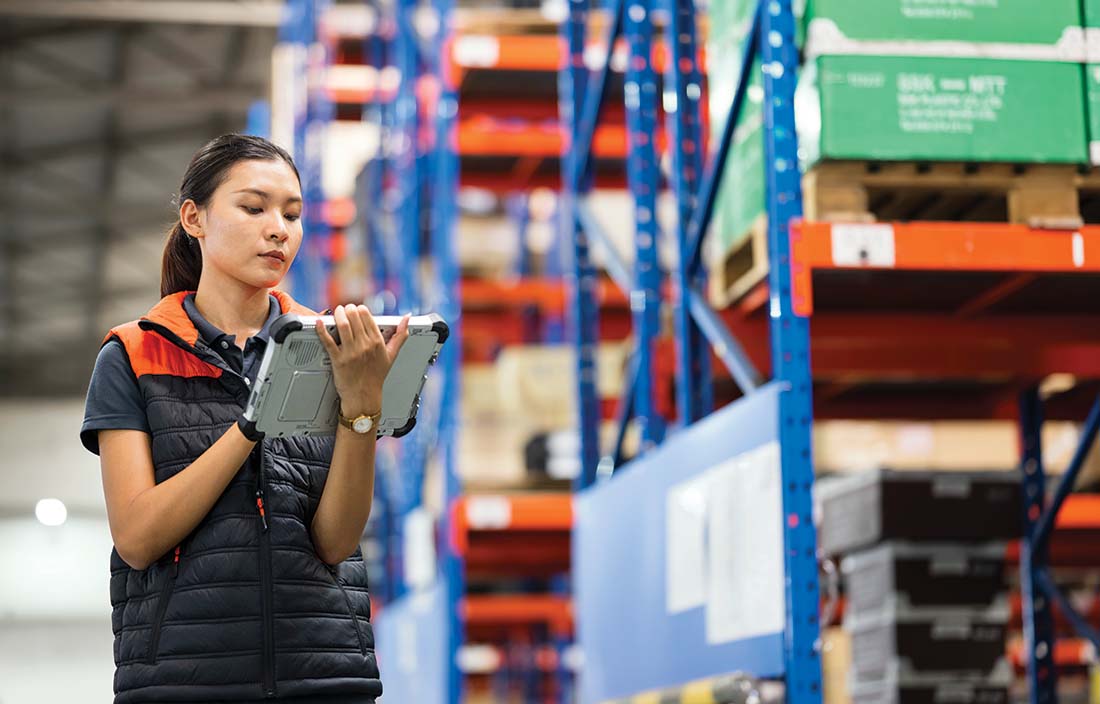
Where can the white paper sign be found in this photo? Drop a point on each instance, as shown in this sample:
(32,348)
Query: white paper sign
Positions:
(724,546)
(745,595)
(863,245)
(685,544)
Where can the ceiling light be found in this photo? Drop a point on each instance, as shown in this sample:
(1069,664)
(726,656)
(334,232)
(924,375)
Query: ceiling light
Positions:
(51,512)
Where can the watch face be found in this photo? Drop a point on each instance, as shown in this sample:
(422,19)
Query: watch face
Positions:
(363,424)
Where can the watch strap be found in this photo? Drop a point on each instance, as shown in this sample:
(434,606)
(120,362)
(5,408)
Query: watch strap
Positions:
(349,423)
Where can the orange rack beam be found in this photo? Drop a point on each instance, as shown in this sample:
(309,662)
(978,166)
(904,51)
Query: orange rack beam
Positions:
(526,52)
(1073,542)
(548,294)
(518,609)
(1080,512)
(517,534)
(481,136)
(935,246)
(1068,652)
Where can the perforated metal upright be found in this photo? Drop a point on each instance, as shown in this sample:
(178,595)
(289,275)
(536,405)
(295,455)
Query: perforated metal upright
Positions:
(779,412)
(312,113)
(1038,588)
(407,198)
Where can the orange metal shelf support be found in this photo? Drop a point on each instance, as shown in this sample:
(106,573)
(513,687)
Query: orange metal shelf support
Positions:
(502,513)
(1068,652)
(933,246)
(519,609)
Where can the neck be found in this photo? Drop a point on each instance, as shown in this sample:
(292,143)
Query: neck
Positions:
(232,306)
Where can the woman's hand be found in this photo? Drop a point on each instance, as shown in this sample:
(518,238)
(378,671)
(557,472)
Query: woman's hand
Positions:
(362,359)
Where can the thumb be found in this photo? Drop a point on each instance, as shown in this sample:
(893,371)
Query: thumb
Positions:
(393,347)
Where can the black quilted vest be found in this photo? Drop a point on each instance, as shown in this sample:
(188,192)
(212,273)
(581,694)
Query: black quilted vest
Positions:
(243,609)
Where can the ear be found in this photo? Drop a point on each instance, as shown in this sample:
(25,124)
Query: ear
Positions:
(191,218)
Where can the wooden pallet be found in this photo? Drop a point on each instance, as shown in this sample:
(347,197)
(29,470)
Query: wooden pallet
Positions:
(1039,195)
(738,270)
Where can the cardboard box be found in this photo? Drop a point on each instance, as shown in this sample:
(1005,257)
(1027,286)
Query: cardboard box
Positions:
(836,663)
(538,382)
(856,446)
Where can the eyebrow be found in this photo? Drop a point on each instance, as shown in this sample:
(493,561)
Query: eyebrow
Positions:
(265,194)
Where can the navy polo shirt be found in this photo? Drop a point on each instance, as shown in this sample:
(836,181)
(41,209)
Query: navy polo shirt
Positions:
(114,401)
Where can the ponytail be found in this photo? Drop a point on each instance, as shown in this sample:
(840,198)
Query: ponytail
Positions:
(181,264)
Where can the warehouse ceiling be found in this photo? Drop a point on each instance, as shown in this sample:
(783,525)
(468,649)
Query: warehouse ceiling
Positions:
(102,107)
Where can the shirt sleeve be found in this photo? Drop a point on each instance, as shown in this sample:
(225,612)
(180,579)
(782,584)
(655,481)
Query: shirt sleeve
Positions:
(114,401)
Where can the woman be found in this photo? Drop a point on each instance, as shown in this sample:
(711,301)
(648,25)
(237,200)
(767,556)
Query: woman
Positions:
(236,574)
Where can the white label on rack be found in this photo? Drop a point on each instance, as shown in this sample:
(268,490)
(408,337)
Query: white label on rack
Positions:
(476,51)
(863,245)
(686,545)
(1078,250)
(745,596)
(489,512)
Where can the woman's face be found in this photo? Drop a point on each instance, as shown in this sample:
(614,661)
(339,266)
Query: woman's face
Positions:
(251,228)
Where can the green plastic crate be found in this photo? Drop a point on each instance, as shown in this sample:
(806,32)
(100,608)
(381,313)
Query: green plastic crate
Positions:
(1023,29)
(910,109)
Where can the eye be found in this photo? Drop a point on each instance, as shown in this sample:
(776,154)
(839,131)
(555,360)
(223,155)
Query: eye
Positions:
(252,211)
(292,217)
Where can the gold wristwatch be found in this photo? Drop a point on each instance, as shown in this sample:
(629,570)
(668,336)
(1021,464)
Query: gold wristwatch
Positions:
(360,424)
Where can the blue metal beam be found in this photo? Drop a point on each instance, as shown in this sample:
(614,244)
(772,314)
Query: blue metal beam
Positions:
(595,231)
(773,32)
(1080,625)
(583,313)
(407,164)
(644,178)
(1038,621)
(725,345)
(589,100)
(625,412)
(1041,535)
(694,394)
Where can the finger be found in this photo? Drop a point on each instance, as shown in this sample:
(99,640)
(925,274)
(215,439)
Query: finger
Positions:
(393,347)
(368,329)
(326,339)
(370,326)
(343,325)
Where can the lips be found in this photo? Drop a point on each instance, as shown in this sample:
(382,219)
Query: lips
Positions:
(274,255)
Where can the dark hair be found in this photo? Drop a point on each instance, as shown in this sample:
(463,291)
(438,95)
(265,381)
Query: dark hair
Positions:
(181,264)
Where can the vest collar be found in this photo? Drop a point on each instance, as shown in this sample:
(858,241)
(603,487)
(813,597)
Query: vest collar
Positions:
(169,315)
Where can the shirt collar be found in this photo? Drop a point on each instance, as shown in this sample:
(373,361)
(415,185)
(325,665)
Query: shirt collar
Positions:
(209,333)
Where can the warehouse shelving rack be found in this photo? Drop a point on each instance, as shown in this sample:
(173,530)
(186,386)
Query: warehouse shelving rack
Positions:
(1019,342)
(778,413)
(414,174)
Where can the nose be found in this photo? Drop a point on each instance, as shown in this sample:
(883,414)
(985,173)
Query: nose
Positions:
(278,231)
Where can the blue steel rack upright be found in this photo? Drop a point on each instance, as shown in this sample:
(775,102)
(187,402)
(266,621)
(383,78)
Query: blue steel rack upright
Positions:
(1037,583)
(791,653)
(312,113)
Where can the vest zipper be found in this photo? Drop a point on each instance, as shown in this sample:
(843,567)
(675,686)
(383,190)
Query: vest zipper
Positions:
(268,595)
(162,608)
(351,610)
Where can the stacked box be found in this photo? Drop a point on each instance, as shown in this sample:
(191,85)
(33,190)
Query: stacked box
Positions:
(927,80)
(923,573)
(862,510)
